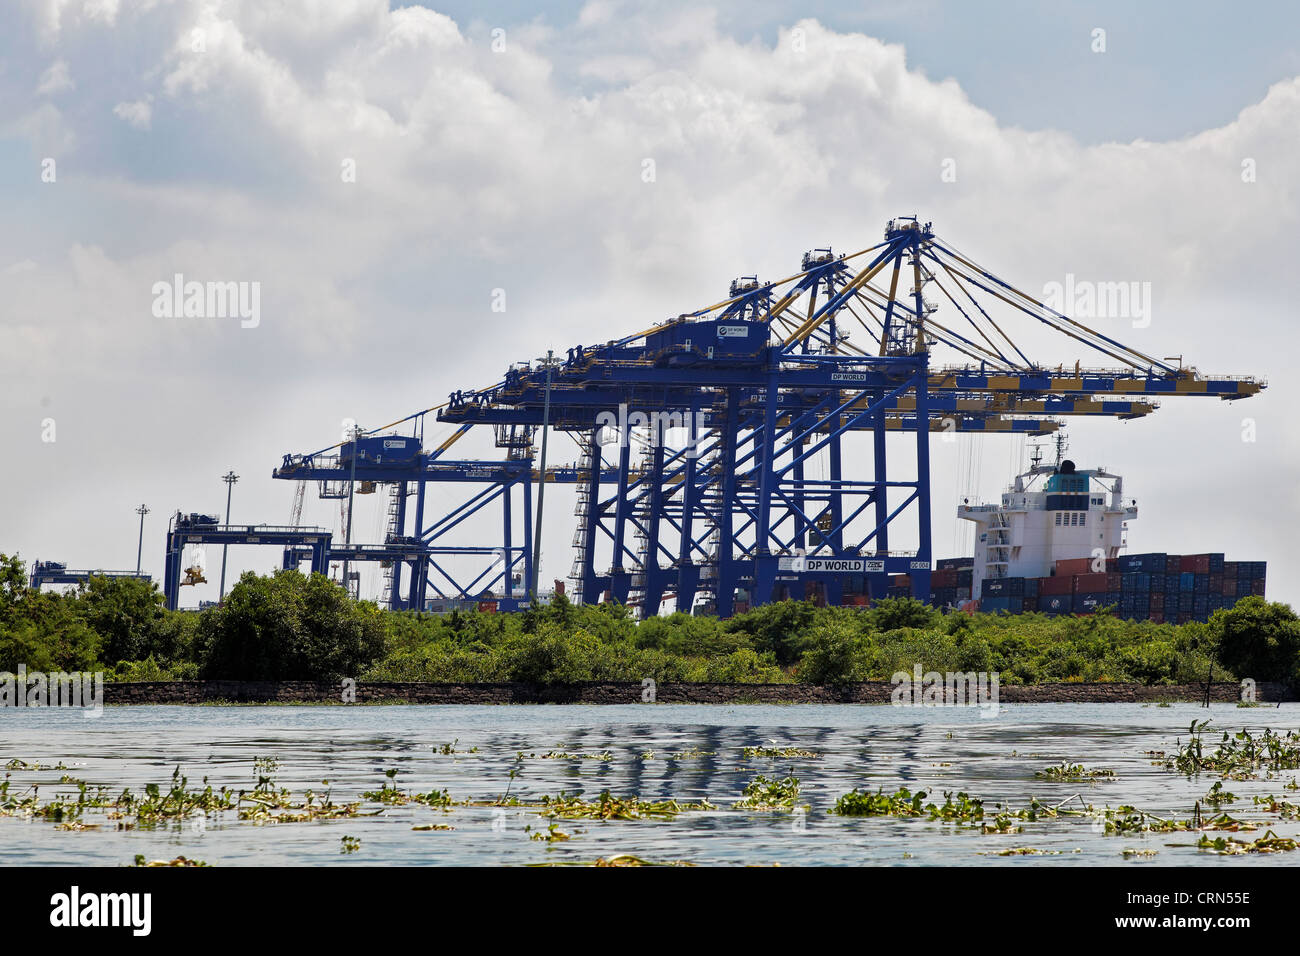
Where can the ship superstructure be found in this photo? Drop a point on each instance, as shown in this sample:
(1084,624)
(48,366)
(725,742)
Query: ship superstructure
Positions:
(1050,513)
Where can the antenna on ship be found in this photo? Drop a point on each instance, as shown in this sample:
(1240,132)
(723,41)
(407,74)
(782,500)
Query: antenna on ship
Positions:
(1061,446)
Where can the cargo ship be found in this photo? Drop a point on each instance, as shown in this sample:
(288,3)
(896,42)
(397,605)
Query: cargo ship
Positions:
(1054,544)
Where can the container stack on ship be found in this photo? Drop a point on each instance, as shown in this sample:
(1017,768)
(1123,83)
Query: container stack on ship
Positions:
(1053,545)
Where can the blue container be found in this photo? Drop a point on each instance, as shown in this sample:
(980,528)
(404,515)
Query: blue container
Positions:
(1171,583)
(1031,588)
(1185,599)
(1202,583)
(1055,603)
(1157,584)
(1216,563)
(1143,562)
(1187,581)
(994,604)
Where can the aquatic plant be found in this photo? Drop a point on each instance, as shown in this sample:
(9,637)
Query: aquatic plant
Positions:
(1238,756)
(764,793)
(1270,842)
(178,861)
(864,803)
(780,752)
(1074,773)
(609,807)
(349,844)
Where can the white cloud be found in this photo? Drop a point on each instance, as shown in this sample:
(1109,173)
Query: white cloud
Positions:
(56,79)
(138,114)
(478,170)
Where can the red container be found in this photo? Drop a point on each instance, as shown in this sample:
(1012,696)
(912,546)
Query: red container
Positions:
(1257,587)
(1184,617)
(1092,583)
(1196,563)
(1229,569)
(1157,602)
(487,607)
(900,580)
(1158,617)
(1068,566)
(943,578)
(1228,586)
(1114,581)
(1061,584)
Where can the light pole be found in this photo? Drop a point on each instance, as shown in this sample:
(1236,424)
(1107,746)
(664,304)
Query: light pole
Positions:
(139,550)
(541,485)
(229,478)
(352,484)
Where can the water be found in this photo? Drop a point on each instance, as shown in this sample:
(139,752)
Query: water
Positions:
(863,746)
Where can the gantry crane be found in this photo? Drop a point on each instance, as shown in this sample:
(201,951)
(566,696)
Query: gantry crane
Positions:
(753,421)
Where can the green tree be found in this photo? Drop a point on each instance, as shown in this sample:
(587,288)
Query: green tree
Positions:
(1258,639)
(128,616)
(289,626)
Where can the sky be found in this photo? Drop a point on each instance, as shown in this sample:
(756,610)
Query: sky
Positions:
(386,173)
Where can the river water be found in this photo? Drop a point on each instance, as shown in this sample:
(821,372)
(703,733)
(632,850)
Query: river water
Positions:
(866,746)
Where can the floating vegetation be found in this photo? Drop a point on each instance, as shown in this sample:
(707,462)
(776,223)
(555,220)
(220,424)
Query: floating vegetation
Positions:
(1074,773)
(1238,756)
(449,750)
(1129,852)
(764,793)
(603,756)
(265,765)
(780,752)
(1026,851)
(1002,823)
(179,861)
(864,803)
(349,844)
(552,834)
(433,826)
(17,764)
(621,859)
(1128,819)
(957,807)
(1217,796)
(1270,842)
(691,753)
(609,807)
(1283,808)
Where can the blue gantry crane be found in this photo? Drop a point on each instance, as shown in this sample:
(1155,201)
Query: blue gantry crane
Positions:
(738,453)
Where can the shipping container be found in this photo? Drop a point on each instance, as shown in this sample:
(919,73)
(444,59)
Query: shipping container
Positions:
(1055,603)
(1070,566)
(1187,582)
(1173,563)
(1157,602)
(1158,617)
(1143,562)
(1091,583)
(1061,584)
(954,563)
(1088,603)
(943,578)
